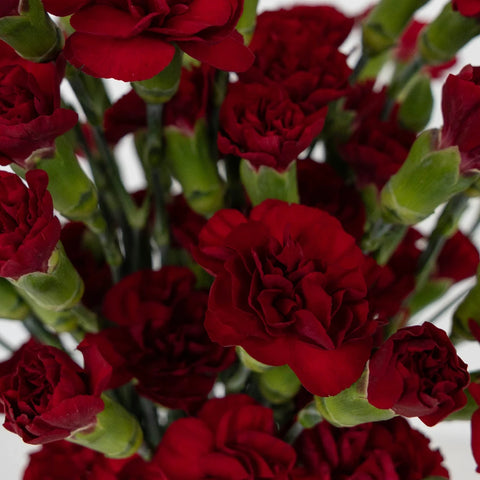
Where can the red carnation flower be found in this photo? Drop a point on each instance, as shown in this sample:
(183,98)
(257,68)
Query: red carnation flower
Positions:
(46,396)
(461,116)
(30,114)
(417,373)
(376,451)
(30,231)
(233,437)
(131,42)
(289,289)
(261,124)
(160,340)
(468,8)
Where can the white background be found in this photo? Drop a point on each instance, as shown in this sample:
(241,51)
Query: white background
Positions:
(453,438)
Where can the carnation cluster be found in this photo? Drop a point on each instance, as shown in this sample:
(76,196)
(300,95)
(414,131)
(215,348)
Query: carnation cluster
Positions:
(257,309)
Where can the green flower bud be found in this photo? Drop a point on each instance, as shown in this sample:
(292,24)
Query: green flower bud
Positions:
(117,434)
(163,86)
(248,20)
(416,103)
(446,35)
(266,182)
(250,362)
(279,384)
(58,289)
(427,179)
(386,22)
(32,33)
(12,306)
(73,194)
(350,407)
(190,162)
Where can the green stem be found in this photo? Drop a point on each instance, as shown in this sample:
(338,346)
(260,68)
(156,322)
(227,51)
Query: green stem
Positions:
(449,305)
(154,160)
(235,195)
(293,433)
(39,332)
(362,61)
(6,345)
(445,228)
(149,422)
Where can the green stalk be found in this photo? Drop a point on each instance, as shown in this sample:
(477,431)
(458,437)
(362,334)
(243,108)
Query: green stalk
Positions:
(37,330)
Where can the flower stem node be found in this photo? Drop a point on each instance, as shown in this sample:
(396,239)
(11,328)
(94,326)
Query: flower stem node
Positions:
(117,434)
(32,33)
(57,289)
(350,407)
(386,22)
(428,178)
(163,86)
(267,182)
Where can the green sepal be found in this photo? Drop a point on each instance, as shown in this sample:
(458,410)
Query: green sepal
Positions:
(469,309)
(416,103)
(12,306)
(386,22)
(32,34)
(446,35)
(163,86)
(467,411)
(350,407)
(427,179)
(250,362)
(57,289)
(266,182)
(73,193)
(190,161)
(279,384)
(246,23)
(117,434)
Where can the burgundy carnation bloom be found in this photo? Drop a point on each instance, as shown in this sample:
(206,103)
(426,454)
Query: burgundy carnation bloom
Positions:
(84,251)
(389,450)
(9,8)
(46,396)
(417,373)
(461,116)
(68,461)
(161,340)
(289,289)
(261,124)
(474,390)
(30,114)
(288,53)
(133,41)
(468,8)
(29,231)
(233,438)
(320,186)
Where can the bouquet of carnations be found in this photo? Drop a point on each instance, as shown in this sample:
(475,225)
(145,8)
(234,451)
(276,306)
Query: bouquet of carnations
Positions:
(247,314)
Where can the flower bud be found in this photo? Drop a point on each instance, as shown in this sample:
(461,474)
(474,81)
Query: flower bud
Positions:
(267,182)
(12,306)
(116,434)
(386,22)
(350,407)
(163,86)
(59,288)
(428,178)
(416,103)
(279,384)
(446,35)
(191,163)
(30,31)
